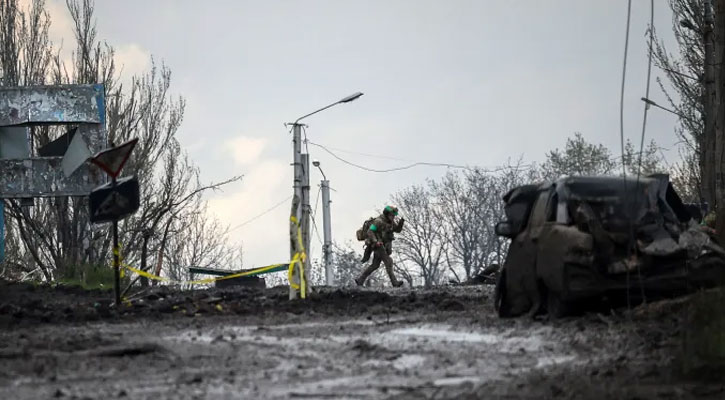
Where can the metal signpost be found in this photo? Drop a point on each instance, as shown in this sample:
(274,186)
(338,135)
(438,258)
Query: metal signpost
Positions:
(114,201)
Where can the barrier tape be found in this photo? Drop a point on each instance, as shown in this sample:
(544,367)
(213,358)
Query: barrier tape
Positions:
(299,258)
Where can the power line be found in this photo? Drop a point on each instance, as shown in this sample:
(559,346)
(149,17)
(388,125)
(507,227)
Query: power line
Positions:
(390,169)
(314,216)
(317,202)
(644,127)
(621,125)
(369,155)
(317,233)
(260,215)
(414,164)
(617,159)
(649,73)
(624,75)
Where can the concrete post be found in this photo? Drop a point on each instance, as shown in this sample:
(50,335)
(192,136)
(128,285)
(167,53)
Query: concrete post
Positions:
(306,208)
(296,200)
(327,230)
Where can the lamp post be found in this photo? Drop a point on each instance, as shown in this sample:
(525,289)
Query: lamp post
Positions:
(653,104)
(301,199)
(326,226)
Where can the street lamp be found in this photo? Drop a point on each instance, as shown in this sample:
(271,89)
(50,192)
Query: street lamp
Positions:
(652,103)
(347,99)
(301,201)
(326,226)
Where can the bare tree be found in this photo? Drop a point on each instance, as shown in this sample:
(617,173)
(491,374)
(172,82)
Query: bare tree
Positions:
(579,157)
(460,204)
(686,178)
(196,240)
(685,73)
(57,234)
(422,243)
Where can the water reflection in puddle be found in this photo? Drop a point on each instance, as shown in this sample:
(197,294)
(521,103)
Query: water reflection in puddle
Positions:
(505,344)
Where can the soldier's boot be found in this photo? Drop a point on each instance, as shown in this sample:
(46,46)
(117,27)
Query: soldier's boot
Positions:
(389,269)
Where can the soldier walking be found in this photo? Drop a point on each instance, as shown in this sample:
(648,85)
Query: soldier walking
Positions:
(379,242)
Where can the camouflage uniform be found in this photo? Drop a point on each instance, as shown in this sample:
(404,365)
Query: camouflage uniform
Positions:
(379,241)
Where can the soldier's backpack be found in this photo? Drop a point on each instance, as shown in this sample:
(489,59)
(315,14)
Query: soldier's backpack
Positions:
(362,233)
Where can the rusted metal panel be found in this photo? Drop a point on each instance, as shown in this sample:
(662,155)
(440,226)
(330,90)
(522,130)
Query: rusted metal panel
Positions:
(61,104)
(81,105)
(43,177)
(95,137)
(14,143)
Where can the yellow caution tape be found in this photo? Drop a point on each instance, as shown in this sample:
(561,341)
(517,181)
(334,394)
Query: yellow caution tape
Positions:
(255,271)
(117,252)
(299,258)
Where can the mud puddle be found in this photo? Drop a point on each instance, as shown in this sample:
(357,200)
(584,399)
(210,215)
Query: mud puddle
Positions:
(342,343)
(364,359)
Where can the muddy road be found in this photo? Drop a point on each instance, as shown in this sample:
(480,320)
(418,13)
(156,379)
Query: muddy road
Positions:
(350,343)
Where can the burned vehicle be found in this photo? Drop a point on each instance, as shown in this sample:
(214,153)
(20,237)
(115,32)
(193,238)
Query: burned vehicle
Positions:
(579,240)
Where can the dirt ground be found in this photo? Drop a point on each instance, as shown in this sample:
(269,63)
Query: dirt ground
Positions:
(347,343)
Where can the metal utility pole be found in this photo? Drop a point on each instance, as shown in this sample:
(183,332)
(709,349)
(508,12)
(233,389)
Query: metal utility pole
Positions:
(326,226)
(306,211)
(301,199)
(327,229)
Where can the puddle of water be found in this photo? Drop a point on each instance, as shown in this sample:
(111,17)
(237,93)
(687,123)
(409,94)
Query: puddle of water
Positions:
(456,380)
(543,362)
(504,344)
(259,333)
(447,335)
(360,385)
(354,322)
(408,361)
(401,363)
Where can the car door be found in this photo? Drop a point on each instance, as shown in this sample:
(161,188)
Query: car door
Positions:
(551,244)
(520,265)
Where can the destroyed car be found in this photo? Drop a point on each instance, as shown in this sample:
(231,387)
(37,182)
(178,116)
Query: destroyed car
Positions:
(579,240)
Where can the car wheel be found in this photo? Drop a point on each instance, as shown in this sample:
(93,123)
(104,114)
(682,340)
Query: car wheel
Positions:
(555,306)
(499,296)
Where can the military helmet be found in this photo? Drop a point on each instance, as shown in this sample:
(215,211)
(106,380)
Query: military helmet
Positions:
(390,210)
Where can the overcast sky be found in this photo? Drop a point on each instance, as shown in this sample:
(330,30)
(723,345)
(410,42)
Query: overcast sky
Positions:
(463,82)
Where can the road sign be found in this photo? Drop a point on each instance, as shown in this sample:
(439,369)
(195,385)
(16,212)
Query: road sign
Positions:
(75,156)
(111,202)
(112,160)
